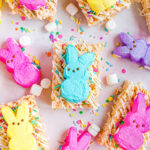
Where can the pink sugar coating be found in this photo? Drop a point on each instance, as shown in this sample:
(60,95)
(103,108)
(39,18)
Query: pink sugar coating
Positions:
(95,69)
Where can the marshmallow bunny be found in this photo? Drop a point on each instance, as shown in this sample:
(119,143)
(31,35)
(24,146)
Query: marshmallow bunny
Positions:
(100,5)
(19,129)
(24,72)
(136,50)
(130,135)
(75,143)
(75,87)
(33,4)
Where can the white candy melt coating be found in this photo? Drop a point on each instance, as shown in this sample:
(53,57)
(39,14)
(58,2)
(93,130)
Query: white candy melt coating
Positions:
(50,27)
(112,79)
(25,41)
(71,9)
(93,129)
(45,83)
(110,25)
(36,90)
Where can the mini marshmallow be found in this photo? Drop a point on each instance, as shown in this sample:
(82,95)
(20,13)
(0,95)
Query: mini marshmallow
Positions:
(110,25)
(112,79)
(50,27)
(36,90)
(24,41)
(93,129)
(71,9)
(45,83)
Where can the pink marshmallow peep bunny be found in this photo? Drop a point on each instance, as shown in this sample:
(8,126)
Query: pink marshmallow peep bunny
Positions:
(33,4)
(24,72)
(75,143)
(130,135)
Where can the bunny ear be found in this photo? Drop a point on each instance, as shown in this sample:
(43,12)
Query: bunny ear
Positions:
(8,114)
(87,59)
(12,45)
(23,112)
(3,55)
(72,55)
(146,60)
(122,51)
(71,139)
(126,38)
(84,140)
(139,104)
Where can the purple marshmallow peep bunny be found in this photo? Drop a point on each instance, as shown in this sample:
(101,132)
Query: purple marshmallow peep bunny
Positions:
(33,4)
(136,50)
(129,136)
(24,72)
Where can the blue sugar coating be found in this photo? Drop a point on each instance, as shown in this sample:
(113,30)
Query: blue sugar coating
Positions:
(75,87)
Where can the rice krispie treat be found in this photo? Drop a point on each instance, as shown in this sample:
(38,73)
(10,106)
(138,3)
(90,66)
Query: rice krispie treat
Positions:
(100,11)
(76,73)
(128,125)
(21,126)
(37,9)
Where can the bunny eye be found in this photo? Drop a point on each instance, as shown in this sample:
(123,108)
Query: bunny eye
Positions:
(18,123)
(133,121)
(8,61)
(143,125)
(77,68)
(13,123)
(13,56)
(137,126)
(68,69)
(133,41)
(12,60)
(22,120)
(131,49)
(73,70)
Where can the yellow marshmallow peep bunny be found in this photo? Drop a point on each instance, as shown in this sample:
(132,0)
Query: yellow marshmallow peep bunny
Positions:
(19,128)
(100,5)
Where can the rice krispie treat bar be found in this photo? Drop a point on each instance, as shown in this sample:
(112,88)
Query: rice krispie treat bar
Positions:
(128,125)
(21,126)
(76,73)
(100,11)
(37,9)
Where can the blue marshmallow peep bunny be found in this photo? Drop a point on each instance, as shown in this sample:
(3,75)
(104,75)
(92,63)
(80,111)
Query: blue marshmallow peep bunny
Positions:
(75,88)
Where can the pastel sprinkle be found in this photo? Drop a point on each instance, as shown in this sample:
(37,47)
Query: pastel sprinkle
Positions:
(81,29)
(12,22)
(95,69)
(60,36)
(123,70)
(96,114)
(81,112)
(104,105)
(107,69)
(57,86)
(113,55)
(23,18)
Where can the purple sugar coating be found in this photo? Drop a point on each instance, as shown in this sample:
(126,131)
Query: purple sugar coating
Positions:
(137,51)
(146,60)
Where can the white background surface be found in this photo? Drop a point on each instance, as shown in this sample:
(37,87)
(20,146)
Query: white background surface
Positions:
(57,123)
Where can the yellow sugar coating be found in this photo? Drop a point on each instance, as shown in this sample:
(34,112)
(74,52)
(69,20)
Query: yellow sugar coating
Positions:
(33,125)
(19,126)
(104,105)
(100,5)
(110,98)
